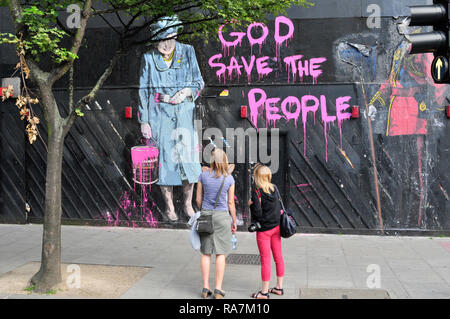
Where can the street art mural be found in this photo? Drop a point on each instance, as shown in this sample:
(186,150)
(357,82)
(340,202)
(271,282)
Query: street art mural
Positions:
(409,95)
(405,111)
(407,92)
(295,65)
(170,82)
(297,68)
(399,109)
(386,170)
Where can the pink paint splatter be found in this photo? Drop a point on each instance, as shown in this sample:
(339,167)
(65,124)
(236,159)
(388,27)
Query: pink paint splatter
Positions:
(213,64)
(342,105)
(227,44)
(272,111)
(261,39)
(279,39)
(254,105)
(248,67)
(305,110)
(262,68)
(419,155)
(446,245)
(144,158)
(326,119)
(234,66)
(291,65)
(290,100)
(314,68)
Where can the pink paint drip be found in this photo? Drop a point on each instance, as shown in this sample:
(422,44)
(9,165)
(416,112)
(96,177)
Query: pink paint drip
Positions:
(142,154)
(291,65)
(326,119)
(261,39)
(227,44)
(262,67)
(308,67)
(143,215)
(279,39)
(342,105)
(304,188)
(305,110)
(288,71)
(248,67)
(137,211)
(288,113)
(213,64)
(234,65)
(256,106)
(262,103)
(303,69)
(240,211)
(271,111)
(314,65)
(419,155)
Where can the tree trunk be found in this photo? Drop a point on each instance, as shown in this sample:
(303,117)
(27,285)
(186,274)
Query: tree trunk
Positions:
(49,273)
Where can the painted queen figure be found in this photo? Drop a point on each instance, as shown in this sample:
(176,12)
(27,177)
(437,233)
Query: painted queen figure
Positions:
(170,82)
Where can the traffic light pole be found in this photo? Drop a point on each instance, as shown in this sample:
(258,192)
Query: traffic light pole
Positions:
(437,41)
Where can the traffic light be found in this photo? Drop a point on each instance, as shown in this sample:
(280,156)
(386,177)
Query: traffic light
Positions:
(437,41)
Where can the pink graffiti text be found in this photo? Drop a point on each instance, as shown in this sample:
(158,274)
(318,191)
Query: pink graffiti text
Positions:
(235,66)
(292,107)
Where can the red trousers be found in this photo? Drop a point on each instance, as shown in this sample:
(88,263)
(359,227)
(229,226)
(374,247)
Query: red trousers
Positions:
(267,241)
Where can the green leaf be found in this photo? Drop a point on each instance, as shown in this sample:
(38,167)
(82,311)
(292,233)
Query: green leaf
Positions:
(79,112)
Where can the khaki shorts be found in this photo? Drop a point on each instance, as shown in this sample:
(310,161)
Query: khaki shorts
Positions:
(219,242)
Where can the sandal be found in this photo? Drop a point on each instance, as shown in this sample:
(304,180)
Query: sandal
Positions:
(218,294)
(277,291)
(260,295)
(206,293)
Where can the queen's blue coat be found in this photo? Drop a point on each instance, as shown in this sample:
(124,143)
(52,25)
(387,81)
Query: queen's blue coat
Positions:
(172,125)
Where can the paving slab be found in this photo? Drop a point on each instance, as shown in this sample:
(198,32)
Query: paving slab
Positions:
(330,277)
(325,293)
(410,267)
(423,290)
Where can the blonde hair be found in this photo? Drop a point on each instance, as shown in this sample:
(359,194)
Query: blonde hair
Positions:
(263,177)
(219,162)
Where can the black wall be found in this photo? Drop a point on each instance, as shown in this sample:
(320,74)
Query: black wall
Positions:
(329,188)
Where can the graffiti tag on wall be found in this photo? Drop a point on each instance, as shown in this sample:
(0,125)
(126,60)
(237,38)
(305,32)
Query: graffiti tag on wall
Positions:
(230,66)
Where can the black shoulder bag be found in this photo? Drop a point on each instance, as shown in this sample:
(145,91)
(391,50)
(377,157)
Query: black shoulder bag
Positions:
(204,222)
(288,226)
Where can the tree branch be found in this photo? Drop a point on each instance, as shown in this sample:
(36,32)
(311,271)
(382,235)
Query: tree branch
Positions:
(136,30)
(110,25)
(69,120)
(57,73)
(119,8)
(120,19)
(71,109)
(16,9)
(137,15)
(149,40)
(152,40)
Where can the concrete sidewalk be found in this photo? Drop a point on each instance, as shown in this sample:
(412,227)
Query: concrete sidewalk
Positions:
(410,267)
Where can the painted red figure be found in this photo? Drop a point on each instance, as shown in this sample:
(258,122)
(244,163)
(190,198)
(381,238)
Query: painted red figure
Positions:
(408,93)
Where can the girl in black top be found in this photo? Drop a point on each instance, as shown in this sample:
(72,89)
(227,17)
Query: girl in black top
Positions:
(265,209)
